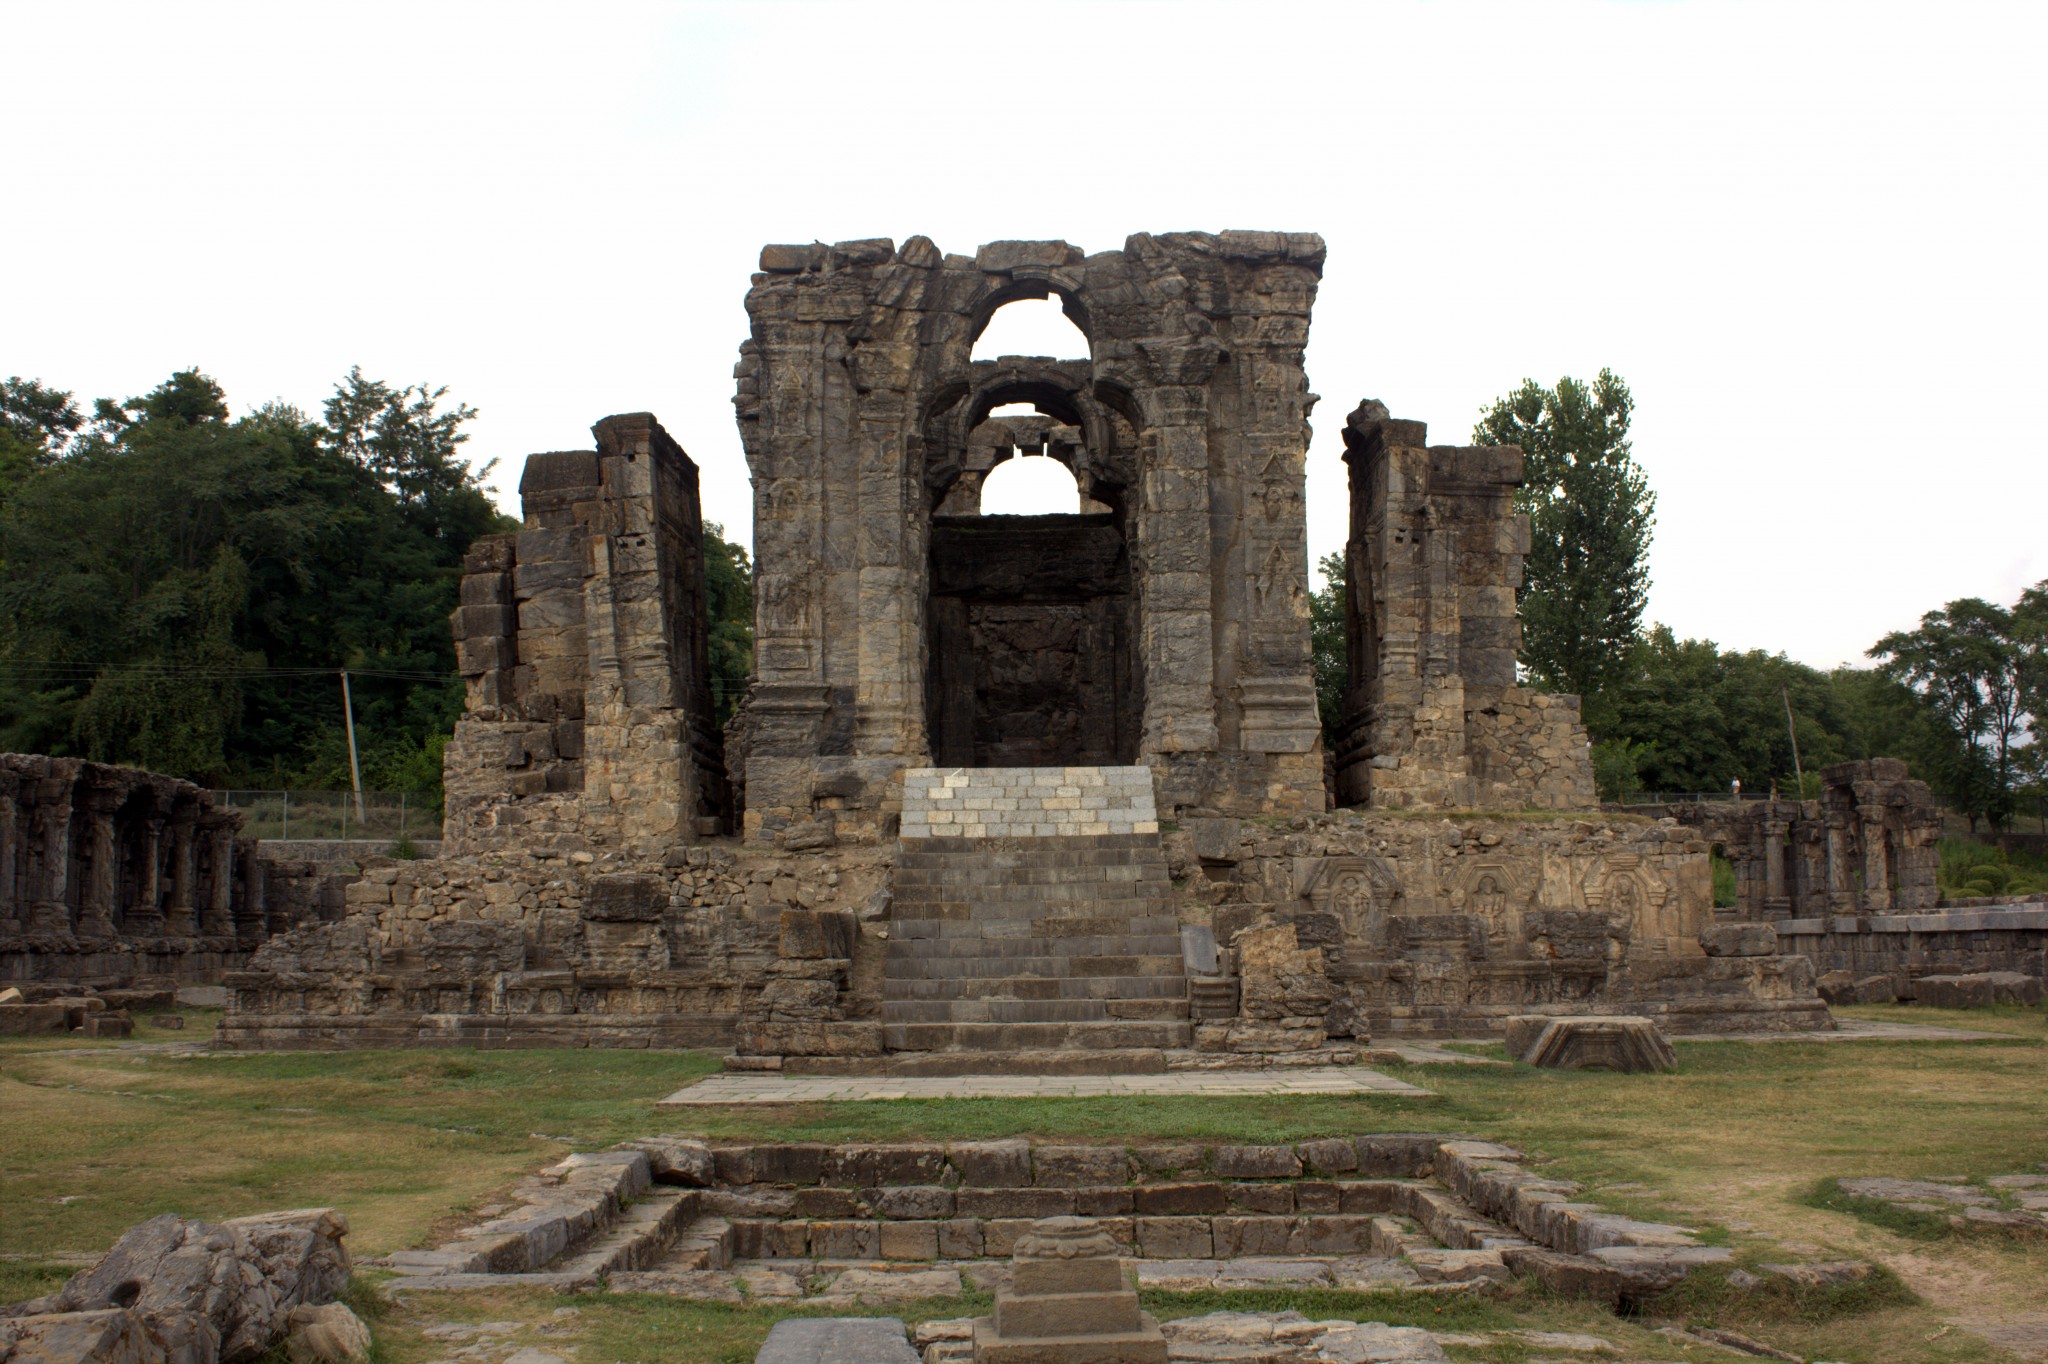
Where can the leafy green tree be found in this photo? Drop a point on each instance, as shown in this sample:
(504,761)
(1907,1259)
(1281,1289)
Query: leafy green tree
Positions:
(181,589)
(1696,718)
(1974,667)
(729,615)
(1329,650)
(36,425)
(1591,512)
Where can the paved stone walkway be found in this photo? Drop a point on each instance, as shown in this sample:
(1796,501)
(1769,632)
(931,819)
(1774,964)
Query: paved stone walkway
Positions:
(794,1089)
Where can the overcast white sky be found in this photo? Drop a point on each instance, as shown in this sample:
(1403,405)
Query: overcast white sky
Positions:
(1807,235)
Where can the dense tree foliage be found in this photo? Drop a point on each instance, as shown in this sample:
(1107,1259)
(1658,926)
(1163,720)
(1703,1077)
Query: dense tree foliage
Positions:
(1978,674)
(1329,651)
(180,589)
(36,424)
(729,613)
(1591,514)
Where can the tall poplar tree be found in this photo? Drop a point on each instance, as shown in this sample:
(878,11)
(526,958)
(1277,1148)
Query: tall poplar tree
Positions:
(1591,513)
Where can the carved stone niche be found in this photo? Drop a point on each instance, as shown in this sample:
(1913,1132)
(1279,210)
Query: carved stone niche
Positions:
(1357,891)
(1498,894)
(1623,886)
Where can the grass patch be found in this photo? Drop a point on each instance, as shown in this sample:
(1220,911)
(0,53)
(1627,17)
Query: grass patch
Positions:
(1460,1312)
(1827,1195)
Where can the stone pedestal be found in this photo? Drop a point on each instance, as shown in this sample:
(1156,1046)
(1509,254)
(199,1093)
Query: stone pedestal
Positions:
(1623,1042)
(1068,1303)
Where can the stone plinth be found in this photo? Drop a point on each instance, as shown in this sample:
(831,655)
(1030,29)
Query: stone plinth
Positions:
(838,1340)
(1622,1042)
(1068,1303)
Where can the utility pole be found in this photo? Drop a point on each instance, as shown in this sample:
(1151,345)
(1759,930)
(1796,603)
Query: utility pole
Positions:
(1792,729)
(355,771)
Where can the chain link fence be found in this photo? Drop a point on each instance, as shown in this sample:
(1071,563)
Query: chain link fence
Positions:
(333,814)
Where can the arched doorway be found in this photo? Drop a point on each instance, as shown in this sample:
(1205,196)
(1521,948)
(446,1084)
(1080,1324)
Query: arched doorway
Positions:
(1030,615)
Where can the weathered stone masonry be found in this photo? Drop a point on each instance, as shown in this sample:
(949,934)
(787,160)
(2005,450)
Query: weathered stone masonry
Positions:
(1434,717)
(859,408)
(108,875)
(1848,881)
(582,642)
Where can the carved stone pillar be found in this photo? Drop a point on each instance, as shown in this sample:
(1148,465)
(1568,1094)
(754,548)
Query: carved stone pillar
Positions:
(1776,899)
(179,919)
(251,925)
(13,903)
(144,916)
(49,911)
(1841,894)
(96,895)
(218,920)
(1877,871)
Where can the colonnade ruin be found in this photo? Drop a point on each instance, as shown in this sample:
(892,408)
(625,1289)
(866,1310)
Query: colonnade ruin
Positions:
(109,874)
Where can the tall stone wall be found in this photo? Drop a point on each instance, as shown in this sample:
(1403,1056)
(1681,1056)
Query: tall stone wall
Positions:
(1434,717)
(858,406)
(108,874)
(582,642)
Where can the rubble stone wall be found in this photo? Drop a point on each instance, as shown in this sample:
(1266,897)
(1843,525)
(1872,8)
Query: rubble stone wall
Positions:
(110,875)
(2008,936)
(538,949)
(1449,925)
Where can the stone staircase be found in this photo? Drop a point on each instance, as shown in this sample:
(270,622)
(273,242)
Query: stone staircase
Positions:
(1031,912)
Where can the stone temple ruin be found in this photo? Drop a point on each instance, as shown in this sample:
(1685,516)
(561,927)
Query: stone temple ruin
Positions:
(1045,786)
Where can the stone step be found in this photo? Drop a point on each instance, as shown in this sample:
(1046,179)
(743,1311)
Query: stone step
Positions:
(1037,987)
(960,912)
(636,1238)
(1031,1010)
(1051,926)
(961,968)
(1034,945)
(1048,868)
(1034,1036)
(1043,852)
(990,887)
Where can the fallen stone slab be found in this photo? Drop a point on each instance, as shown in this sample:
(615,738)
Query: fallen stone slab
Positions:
(1819,1275)
(1977,990)
(1571,1342)
(1888,1190)
(328,1334)
(838,1340)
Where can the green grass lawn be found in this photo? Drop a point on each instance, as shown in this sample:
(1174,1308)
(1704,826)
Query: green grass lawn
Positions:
(94,1138)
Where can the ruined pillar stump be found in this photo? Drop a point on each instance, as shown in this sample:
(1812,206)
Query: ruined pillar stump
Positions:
(1068,1303)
